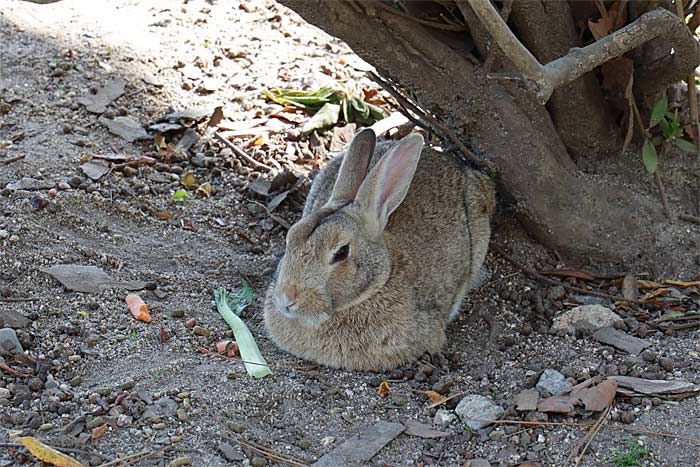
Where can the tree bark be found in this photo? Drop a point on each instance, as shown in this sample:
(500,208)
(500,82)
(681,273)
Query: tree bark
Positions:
(577,109)
(580,220)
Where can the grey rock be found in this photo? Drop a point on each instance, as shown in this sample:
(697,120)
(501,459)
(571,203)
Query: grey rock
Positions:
(165,407)
(9,342)
(13,319)
(362,446)
(553,382)
(586,319)
(475,407)
(443,418)
(30,184)
(231,453)
(556,293)
(478,463)
(620,340)
(95,169)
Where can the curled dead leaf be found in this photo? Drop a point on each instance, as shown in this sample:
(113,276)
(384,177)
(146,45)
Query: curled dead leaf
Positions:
(383,389)
(188,180)
(204,189)
(654,294)
(435,397)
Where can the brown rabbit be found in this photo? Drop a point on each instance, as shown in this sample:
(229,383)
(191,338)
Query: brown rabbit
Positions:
(380,262)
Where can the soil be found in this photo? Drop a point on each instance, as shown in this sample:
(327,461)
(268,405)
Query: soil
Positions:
(90,358)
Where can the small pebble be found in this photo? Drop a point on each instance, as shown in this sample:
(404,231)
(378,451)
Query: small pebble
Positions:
(201,331)
(258,462)
(666,364)
(181,461)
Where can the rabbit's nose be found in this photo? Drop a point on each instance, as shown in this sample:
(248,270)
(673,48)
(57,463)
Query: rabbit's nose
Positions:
(284,304)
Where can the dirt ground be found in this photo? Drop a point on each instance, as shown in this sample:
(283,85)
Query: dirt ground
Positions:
(90,358)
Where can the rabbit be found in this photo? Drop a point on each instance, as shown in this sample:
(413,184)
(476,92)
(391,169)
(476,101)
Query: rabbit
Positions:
(390,239)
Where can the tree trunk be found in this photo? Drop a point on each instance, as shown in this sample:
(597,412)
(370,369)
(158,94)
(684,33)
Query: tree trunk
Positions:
(587,222)
(577,109)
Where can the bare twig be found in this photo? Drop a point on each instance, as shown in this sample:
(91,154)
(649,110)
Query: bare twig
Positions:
(241,153)
(585,425)
(688,218)
(426,22)
(143,160)
(436,125)
(271,454)
(491,57)
(15,300)
(580,61)
(12,159)
(546,280)
(595,429)
(139,456)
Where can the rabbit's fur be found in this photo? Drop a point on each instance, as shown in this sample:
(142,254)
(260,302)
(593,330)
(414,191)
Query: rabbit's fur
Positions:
(412,255)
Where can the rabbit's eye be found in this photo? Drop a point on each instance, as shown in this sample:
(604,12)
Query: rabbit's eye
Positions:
(341,254)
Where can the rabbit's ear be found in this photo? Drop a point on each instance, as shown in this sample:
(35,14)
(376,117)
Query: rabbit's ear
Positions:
(354,166)
(386,186)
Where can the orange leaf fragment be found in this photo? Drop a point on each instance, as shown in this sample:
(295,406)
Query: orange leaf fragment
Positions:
(384,390)
(683,284)
(46,453)
(584,276)
(99,432)
(435,397)
(164,216)
(227,347)
(654,294)
(138,308)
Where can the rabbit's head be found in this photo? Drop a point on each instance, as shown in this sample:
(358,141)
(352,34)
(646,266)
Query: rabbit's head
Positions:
(338,255)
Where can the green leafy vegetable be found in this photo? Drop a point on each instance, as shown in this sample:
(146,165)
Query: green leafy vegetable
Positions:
(327,116)
(632,457)
(180,196)
(344,97)
(649,156)
(658,112)
(230,306)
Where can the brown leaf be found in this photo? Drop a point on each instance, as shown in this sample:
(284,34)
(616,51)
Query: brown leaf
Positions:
(383,389)
(99,432)
(656,293)
(584,276)
(556,404)
(682,284)
(216,117)
(435,397)
(619,14)
(643,284)
(630,288)
(598,397)
(164,216)
(601,27)
(204,189)
(164,336)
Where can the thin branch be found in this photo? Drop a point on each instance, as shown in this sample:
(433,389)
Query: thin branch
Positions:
(580,61)
(546,280)
(12,159)
(688,218)
(437,126)
(506,40)
(432,24)
(242,154)
(491,57)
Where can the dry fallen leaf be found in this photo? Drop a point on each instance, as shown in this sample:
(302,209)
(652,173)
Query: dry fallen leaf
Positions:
(654,294)
(383,389)
(164,336)
(647,284)
(260,140)
(164,216)
(682,284)
(204,189)
(435,397)
(556,404)
(189,180)
(598,397)
(46,453)
(99,432)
